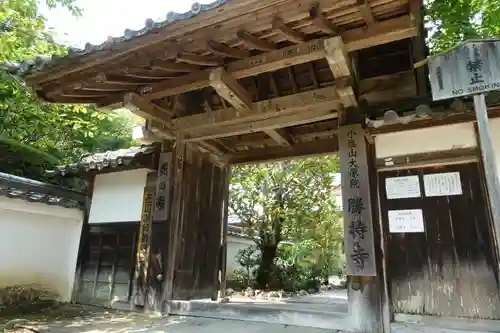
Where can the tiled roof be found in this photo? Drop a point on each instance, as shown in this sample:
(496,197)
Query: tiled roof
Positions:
(99,161)
(40,63)
(34,191)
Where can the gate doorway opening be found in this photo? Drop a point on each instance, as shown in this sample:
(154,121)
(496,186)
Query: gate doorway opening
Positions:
(282,255)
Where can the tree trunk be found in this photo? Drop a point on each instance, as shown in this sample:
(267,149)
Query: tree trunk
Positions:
(268,252)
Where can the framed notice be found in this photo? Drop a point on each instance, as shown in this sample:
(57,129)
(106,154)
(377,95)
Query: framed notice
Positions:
(406,221)
(442,184)
(402,187)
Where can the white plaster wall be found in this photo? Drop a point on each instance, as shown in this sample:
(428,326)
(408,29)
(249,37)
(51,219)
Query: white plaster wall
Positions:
(495,138)
(234,244)
(427,140)
(118,196)
(39,245)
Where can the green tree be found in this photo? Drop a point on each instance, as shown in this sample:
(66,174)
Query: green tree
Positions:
(452,21)
(289,200)
(35,136)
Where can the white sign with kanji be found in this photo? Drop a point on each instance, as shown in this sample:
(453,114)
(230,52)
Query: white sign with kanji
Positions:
(470,68)
(406,220)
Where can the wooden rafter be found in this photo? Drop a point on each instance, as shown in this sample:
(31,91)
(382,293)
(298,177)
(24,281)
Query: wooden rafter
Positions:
(97,86)
(356,39)
(340,65)
(149,110)
(226,51)
(169,66)
(366,12)
(76,93)
(320,21)
(144,73)
(280,136)
(252,41)
(291,35)
(195,59)
(228,88)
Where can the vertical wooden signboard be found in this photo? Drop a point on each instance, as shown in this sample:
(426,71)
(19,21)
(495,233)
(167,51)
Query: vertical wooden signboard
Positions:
(143,247)
(161,210)
(358,224)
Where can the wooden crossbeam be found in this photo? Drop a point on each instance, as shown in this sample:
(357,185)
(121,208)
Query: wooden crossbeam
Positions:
(286,104)
(276,121)
(304,149)
(340,65)
(148,110)
(356,39)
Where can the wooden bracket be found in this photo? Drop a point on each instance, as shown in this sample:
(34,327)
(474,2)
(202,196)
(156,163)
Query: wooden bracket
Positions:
(341,67)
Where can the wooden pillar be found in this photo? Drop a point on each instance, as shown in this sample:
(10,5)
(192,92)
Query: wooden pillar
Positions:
(143,248)
(175,219)
(364,287)
(225,217)
(160,183)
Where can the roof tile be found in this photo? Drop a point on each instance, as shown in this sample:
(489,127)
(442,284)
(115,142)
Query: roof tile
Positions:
(40,63)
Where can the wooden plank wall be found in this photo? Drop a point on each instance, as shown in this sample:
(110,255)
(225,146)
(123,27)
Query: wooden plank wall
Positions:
(450,269)
(107,265)
(199,235)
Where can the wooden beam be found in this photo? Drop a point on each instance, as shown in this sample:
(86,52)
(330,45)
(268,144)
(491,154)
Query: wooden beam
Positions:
(280,137)
(366,12)
(147,109)
(292,35)
(320,21)
(303,149)
(356,39)
(170,66)
(276,121)
(387,88)
(77,93)
(228,88)
(226,51)
(195,59)
(252,41)
(340,65)
(319,98)
(144,73)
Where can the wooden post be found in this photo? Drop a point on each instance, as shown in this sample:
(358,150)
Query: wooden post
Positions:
(143,247)
(364,293)
(175,218)
(489,161)
(225,217)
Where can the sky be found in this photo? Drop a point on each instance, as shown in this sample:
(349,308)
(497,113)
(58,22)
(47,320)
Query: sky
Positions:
(103,18)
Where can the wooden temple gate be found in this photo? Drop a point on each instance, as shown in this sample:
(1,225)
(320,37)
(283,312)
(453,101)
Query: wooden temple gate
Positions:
(247,81)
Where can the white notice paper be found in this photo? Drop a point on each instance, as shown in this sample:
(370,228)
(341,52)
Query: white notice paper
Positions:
(402,187)
(406,220)
(442,184)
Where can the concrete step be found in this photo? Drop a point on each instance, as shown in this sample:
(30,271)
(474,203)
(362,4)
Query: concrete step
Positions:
(305,315)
